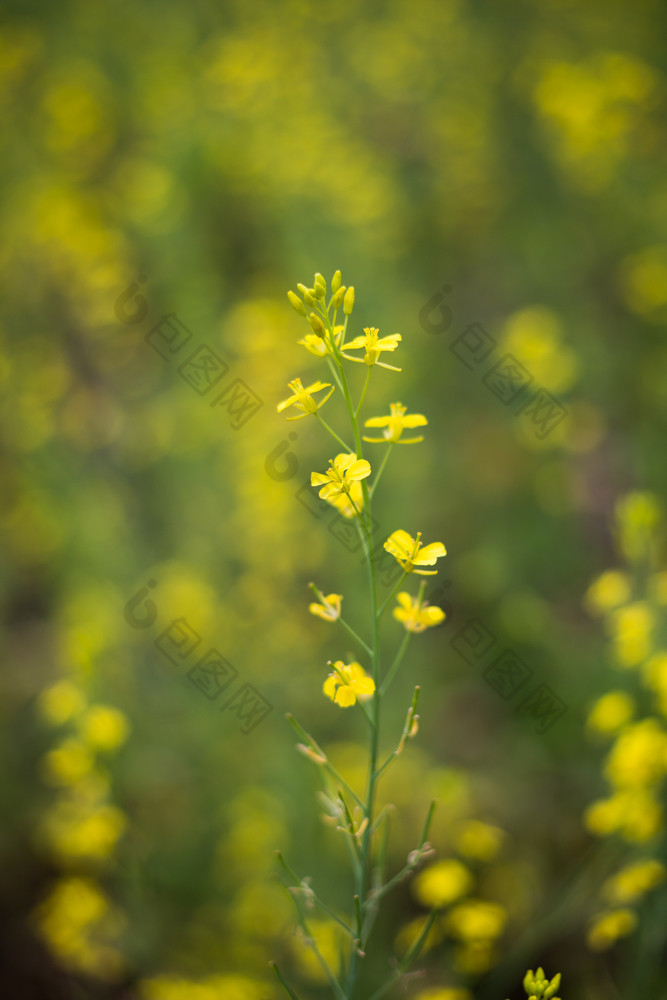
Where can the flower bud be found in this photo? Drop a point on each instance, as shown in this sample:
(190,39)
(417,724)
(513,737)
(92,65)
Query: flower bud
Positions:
(316,325)
(308,294)
(318,283)
(296,302)
(337,299)
(348,301)
(335,282)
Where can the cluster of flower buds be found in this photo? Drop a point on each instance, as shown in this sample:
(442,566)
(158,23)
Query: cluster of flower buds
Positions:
(315,298)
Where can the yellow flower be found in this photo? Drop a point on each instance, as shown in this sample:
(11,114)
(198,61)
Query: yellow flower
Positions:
(348,682)
(395,424)
(345,470)
(302,398)
(608,591)
(373,347)
(103,727)
(479,840)
(610,712)
(606,927)
(408,551)
(319,346)
(442,883)
(631,882)
(477,920)
(345,503)
(329,610)
(417,615)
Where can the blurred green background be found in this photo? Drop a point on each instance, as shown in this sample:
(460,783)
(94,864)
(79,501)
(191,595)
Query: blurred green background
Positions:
(508,158)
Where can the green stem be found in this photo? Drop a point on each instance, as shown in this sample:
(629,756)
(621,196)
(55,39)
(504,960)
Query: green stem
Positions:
(363,878)
(290,993)
(381,469)
(332,432)
(363,392)
(392,595)
(396,664)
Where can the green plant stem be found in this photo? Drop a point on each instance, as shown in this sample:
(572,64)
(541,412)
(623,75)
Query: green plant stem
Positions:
(363,879)
(332,432)
(396,664)
(363,392)
(392,595)
(380,470)
(290,993)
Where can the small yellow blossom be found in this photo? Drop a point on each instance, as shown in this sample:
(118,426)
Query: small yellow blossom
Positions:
(67,763)
(611,589)
(348,504)
(634,813)
(608,926)
(611,712)
(638,755)
(347,682)
(631,882)
(344,470)
(417,615)
(302,398)
(373,347)
(442,883)
(319,346)
(477,920)
(329,610)
(409,552)
(395,424)
(479,840)
(632,627)
(103,727)
(60,702)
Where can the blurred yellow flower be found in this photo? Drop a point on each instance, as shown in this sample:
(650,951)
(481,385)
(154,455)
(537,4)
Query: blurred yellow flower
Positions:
(344,470)
(395,424)
(329,609)
(409,552)
(442,883)
(638,756)
(415,614)
(67,763)
(373,346)
(347,683)
(631,882)
(610,712)
(608,926)
(103,727)
(609,590)
(302,399)
(632,627)
(477,920)
(479,840)
(60,702)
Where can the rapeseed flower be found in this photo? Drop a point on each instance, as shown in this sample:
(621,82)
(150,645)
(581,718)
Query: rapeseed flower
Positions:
(344,470)
(373,346)
(347,683)
(416,614)
(395,424)
(409,552)
(302,399)
(329,609)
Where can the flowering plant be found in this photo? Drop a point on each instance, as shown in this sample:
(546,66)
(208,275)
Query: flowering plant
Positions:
(350,483)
